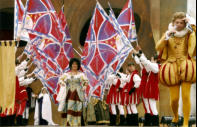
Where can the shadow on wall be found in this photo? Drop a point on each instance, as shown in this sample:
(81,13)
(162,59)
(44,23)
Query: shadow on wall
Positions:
(6,23)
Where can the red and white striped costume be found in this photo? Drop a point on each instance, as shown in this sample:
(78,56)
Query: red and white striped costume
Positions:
(116,91)
(114,86)
(149,84)
(133,83)
(131,100)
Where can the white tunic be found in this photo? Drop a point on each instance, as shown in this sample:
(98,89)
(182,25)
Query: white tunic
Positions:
(46,110)
(26,82)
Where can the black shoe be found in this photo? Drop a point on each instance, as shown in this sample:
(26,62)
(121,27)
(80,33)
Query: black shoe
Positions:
(82,121)
(19,121)
(122,120)
(5,121)
(174,124)
(1,121)
(11,120)
(134,120)
(147,121)
(155,121)
(25,122)
(112,120)
(129,119)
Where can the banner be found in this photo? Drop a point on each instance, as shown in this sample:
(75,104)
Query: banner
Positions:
(7,76)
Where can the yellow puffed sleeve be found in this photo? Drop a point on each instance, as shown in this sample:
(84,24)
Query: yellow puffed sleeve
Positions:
(192,45)
(161,47)
(194,28)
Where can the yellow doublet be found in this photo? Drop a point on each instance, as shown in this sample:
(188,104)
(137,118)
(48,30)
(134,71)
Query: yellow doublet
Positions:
(177,55)
(178,69)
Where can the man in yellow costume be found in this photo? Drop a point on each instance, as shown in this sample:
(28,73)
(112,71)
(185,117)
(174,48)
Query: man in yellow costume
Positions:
(177,49)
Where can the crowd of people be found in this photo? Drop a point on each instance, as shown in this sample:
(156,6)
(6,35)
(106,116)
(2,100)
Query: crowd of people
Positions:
(176,49)
(126,88)
(25,99)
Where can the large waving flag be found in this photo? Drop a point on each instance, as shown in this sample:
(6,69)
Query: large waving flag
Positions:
(124,53)
(101,50)
(67,38)
(50,42)
(18,21)
(127,21)
(41,19)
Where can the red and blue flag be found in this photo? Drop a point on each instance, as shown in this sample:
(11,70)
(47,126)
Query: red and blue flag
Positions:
(126,20)
(19,11)
(50,42)
(101,50)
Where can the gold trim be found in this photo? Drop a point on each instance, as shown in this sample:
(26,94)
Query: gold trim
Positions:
(104,121)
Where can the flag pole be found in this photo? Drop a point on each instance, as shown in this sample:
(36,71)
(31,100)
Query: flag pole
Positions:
(14,19)
(80,49)
(109,5)
(63,4)
(77,52)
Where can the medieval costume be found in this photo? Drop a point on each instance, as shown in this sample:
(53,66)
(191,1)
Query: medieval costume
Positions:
(149,90)
(43,111)
(21,94)
(101,110)
(71,100)
(114,96)
(111,97)
(179,67)
(20,101)
(89,112)
(24,83)
(130,98)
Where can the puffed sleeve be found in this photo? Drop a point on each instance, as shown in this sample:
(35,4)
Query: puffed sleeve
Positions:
(137,60)
(161,44)
(149,65)
(192,45)
(161,47)
(111,80)
(26,82)
(21,79)
(63,79)
(84,79)
(124,79)
(22,66)
(137,81)
(22,73)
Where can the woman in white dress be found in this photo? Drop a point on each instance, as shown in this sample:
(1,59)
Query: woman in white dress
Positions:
(71,95)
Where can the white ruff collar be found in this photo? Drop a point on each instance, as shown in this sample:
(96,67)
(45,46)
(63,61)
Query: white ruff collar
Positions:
(178,33)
